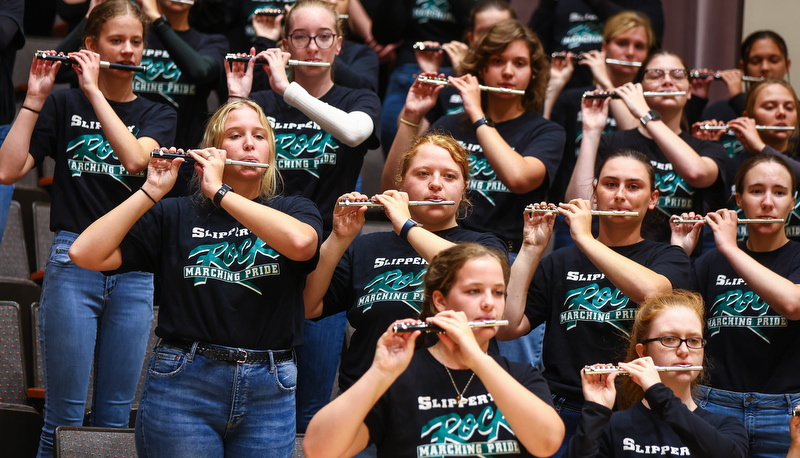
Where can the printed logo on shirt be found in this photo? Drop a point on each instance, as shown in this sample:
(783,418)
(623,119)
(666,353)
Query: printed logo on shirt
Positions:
(389,287)
(450,434)
(301,152)
(674,195)
(741,309)
(231,263)
(483,179)
(436,10)
(161,67)
(90,152)
(629,444)
(593,304)
(583,33)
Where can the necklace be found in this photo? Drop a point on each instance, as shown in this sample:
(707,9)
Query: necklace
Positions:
(459,395)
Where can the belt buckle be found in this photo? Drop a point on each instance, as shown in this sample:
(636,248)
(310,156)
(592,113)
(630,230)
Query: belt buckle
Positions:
(241,356)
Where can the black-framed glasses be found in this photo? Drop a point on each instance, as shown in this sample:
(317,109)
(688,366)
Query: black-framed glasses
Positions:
(675,341)
(657,74)
(301,40)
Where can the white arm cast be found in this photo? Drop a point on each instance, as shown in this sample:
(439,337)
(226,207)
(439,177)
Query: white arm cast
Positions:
(351,128)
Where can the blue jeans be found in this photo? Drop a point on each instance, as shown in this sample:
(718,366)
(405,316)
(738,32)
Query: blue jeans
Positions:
(765,416)
(5,190)
(86,316)
(197,407)
(570,413)
(525,349)
(317,362)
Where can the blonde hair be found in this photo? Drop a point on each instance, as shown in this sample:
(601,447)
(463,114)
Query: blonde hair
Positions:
(626,21)
(215,133)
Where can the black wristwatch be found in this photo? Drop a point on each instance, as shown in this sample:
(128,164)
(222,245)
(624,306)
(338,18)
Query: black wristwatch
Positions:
(407,227)
(161,20)
(482,121)
(651,115)
(221,193)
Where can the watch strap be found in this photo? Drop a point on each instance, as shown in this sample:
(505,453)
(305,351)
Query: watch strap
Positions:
(482,121)
(407,227)
(221,193)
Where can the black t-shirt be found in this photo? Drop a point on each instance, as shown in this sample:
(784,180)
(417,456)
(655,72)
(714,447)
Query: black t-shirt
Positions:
(588,318)
(380,280)
(751,347)
(669,429)
(89,180)
(418,415)
(494,207)
(223,284)
(312,162)
(11,12)
(165,82)
(675,195)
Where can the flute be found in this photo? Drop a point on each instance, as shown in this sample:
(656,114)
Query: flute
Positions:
(554,209)
(103,64)
(430,327)
(796,411)
(269,11)
(375,204)
(163,155)
(613,95)
(444,82)
(698,74)
(262,61)
(624,63)
(420,46)
(725,127)
(607,370)
(185,2)
(678,220)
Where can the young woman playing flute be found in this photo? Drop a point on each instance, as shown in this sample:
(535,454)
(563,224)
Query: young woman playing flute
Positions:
(660,416)
(587,294)
(752,295)
(451,395)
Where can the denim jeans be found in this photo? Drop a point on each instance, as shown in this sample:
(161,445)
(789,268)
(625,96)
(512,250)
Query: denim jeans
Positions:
(86,316)
(5,190)
(570,413)
(317,362)
(196,407)
(765,416)
(525,349)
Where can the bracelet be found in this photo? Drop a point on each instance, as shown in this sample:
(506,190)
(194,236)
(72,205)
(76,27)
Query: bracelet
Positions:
(148,195)
(409,123)
(30,109)
(231,96)
(407,227)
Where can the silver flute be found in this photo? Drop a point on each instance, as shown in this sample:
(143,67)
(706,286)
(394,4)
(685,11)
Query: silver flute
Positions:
(613,95)
(185,2)
(624,63)
(375,204)
(608,370)
(725,127)
(262,61)
(430,327)
(444,82)
(103,64)
(554,209)
(698,74)
(678,220)
(164,155)
(270,11)
(420,46)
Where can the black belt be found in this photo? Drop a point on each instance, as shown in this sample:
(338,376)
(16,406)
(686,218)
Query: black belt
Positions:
(234,355)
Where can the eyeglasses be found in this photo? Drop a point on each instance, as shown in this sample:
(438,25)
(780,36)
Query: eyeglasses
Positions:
(675,341)
(657,74)
(301,40)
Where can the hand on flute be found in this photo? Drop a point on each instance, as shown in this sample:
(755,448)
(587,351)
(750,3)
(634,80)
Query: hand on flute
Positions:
(704,134)
(348,221)
(210,165)
(239,76)
(685,236)
(642,371)
(41,79)
(600,388)
(162,174)
(538,227)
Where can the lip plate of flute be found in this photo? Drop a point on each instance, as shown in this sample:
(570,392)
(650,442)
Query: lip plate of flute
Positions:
(607,370)
(624,63)
(679,220)
(532,208)
(614,95)
(372,203)
(165,155)
(61,57)
(444,82)
(725,127)
(430,327)
(230,57)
